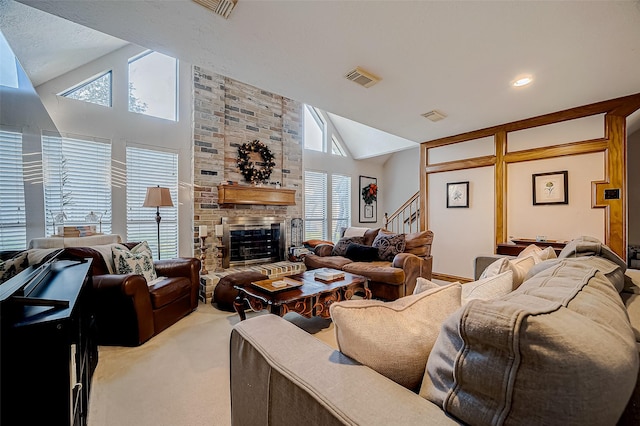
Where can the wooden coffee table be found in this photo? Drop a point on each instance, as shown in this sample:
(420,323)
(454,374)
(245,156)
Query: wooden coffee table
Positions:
(312,298)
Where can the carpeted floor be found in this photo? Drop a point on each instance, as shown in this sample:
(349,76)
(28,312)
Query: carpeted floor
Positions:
(180,377)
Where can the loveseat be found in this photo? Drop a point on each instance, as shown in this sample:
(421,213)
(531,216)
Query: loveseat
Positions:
(562,348)
(389,278)
(128,310)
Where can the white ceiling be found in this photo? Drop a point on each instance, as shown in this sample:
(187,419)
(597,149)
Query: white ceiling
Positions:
(455,56)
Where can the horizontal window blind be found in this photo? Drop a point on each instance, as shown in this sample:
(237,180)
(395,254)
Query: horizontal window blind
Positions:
(315,205)
(146,168)
(77,181)
(340,204)
(13,229)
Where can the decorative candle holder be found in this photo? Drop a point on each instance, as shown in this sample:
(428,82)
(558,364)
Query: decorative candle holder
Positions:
(203,256)
(220,250)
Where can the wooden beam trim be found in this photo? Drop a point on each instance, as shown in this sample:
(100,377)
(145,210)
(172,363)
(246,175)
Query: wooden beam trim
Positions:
(573,148)
(470,163)
(619,105)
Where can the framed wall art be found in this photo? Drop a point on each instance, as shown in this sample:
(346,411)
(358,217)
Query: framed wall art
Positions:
(368,199)
(458,194)
(550,188)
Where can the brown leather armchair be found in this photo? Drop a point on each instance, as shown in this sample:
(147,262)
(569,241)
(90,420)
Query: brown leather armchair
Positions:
(128,312)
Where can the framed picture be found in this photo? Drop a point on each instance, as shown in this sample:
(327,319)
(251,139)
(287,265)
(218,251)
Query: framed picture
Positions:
(550,188)
(458,194)
(368,199)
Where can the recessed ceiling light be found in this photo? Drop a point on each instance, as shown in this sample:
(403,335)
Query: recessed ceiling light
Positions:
(522,81)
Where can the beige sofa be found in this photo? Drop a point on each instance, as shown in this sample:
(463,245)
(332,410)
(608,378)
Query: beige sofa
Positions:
(560,349)
(388,280)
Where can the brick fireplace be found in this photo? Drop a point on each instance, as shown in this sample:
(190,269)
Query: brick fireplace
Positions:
(252,240)
(227,114)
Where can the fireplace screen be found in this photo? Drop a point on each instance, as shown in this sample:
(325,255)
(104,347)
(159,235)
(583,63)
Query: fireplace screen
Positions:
(253,240)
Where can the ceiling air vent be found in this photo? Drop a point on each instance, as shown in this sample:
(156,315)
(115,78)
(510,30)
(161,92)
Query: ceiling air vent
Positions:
(220,7)
(362,77)
(434,115)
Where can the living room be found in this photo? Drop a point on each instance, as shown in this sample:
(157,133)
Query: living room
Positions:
(211,124)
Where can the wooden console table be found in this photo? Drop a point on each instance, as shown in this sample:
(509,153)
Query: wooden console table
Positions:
(521,244)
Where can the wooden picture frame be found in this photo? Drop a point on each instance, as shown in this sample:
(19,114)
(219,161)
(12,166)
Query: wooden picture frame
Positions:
(368,202)
(550,188)
(458,195)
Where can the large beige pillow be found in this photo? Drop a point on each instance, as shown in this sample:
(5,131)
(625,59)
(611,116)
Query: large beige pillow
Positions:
(394,338)
(423,284)
(539,254)
(559,350)
(488,288)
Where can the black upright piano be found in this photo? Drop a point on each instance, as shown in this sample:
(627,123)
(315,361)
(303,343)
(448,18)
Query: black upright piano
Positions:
(47,347)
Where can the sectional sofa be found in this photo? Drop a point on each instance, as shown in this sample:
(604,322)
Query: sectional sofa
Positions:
(562,348)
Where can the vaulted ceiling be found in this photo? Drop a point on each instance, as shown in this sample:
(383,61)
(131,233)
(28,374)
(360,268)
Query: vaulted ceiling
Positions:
(459,57)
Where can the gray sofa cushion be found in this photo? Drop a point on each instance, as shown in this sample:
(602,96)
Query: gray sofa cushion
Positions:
(546,353)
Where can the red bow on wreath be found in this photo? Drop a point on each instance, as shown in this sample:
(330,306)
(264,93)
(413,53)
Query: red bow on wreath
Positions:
(370,193)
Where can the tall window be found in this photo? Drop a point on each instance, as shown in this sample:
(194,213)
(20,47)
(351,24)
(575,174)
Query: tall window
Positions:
(13,230)
(153,85)
(336,148)
(314,129)
(8,65)
(96,91)
(340,204)
(77,181)
(315,205)
(145,168)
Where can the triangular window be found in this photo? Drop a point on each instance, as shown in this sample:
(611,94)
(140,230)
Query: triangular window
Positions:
(336,148)
(96,90)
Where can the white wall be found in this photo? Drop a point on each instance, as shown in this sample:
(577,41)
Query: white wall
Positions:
(401,173)
(633,187)
(122,127)
(460,234)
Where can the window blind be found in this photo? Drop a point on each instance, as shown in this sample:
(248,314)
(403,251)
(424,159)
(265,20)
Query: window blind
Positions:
(340,204)
(315,205)
(13,230)
(145,168)
(77,181)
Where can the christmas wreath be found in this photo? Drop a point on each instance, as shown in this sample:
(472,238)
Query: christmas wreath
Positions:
(247,167)
(370,193)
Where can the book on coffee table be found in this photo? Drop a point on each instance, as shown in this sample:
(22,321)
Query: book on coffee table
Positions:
(328,274)
(280,284)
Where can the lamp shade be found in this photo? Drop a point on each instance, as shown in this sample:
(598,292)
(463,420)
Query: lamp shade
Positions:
(157,197)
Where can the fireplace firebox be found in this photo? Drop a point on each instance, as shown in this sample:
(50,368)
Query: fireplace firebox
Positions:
(252,240)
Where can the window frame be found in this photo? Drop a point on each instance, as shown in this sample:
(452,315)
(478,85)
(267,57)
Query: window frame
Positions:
(176,112)
(67,92)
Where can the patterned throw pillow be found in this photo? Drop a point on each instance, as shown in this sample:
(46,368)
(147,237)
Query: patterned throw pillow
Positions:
(138,261)
(389,245)
(340,249)
(10,268)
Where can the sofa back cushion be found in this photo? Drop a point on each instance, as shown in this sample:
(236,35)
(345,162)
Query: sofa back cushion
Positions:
(419,243)
(559,350)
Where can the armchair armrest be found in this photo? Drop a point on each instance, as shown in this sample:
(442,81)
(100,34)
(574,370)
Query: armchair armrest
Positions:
(123,309)
(413,267)
(188,267)
(282,375)
(323,250)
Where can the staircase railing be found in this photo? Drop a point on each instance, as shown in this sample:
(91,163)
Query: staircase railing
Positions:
(407,218)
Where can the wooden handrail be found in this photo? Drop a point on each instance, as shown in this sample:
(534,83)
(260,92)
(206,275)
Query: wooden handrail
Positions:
(402,210)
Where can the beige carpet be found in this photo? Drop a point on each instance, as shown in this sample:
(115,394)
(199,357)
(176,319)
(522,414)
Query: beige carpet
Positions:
(180,377)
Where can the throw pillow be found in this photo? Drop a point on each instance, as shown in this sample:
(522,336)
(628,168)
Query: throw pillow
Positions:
(488,288)
(340,249)
(361,253)
(539,255)
(12,267)
(423,284)
(138,261)
(394,338)
(389,245)
(520,268)
(529,250)
(314,243)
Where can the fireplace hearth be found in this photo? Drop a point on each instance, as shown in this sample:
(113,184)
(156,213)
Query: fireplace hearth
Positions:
(252,240)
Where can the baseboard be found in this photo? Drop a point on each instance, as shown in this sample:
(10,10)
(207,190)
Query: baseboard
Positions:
(449,278)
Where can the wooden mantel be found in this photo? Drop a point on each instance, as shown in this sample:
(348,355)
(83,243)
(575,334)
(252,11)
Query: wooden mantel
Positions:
(238,194)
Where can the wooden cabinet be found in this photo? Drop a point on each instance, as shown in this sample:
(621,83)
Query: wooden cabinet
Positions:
(238,194)
(521,244)
(48,352)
